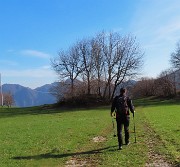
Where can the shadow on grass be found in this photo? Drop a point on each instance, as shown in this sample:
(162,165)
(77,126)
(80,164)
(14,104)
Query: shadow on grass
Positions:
(53,155)
(13,112)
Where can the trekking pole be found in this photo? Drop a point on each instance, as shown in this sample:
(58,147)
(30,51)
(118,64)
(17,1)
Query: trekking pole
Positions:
(134,128)
(113,127)
(113,116)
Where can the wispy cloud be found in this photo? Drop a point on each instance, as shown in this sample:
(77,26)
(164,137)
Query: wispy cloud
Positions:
(35,53)
(169,31)
(32,78)
(117,29)
(46,67)
(34,73)
(10,50)
(8,63)
(157,27)
(157,20)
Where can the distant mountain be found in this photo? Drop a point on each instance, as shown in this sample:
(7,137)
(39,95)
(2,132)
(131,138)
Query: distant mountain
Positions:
(46,88)
(127,84)
(26,97)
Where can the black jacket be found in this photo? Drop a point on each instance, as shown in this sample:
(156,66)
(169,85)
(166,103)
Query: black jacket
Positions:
(129,103)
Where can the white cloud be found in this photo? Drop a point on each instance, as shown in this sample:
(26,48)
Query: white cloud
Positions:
(169,31)
(118,29)
(31,73)
(46,67)
(157,27)
(8,63)
(10,50)
(154,19)
(34,53)
(32,78)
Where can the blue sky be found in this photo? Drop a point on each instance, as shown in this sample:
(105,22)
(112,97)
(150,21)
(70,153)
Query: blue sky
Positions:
(33,31)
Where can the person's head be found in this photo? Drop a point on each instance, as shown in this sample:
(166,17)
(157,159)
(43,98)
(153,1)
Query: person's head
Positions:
(123,91)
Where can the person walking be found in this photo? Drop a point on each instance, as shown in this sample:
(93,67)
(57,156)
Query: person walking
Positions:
(121,105)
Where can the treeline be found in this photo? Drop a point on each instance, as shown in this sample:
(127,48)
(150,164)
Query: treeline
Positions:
(167,84)
(98,65)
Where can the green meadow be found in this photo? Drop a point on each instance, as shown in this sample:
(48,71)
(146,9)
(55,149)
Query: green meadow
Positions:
(43,137)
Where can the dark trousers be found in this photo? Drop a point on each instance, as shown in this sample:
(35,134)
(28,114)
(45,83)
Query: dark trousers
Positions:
(123,121)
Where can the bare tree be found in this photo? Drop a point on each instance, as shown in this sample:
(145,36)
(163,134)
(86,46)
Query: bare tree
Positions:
(123,59)
(105,60)
(129,62)
(58,90)
(8,99)
(87,62)
(144,87)
(67,65)
(109,46)
(165,84)
(98,59)
(175,57)
(175,62)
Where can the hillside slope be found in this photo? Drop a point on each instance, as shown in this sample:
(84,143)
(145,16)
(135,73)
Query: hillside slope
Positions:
(26,97)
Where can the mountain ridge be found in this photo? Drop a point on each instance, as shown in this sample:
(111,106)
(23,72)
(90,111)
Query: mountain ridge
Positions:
(27,97)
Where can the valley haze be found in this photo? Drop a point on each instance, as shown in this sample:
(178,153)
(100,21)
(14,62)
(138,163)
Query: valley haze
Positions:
(27,97)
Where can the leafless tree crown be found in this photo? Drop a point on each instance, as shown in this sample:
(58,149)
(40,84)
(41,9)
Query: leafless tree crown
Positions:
(175,57)
(101,63)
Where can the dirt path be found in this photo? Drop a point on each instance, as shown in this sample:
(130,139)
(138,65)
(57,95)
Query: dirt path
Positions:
(92,158)
(155,159)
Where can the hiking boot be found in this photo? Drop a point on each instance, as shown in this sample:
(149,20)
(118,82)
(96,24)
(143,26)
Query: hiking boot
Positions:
(120,148)
(127,143)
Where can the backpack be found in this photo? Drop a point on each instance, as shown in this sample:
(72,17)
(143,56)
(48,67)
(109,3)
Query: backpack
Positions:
(121,105)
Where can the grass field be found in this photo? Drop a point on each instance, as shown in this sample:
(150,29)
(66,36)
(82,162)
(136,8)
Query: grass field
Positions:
(47,138)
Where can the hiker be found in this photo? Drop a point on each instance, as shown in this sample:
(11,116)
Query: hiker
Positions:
(121,105)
